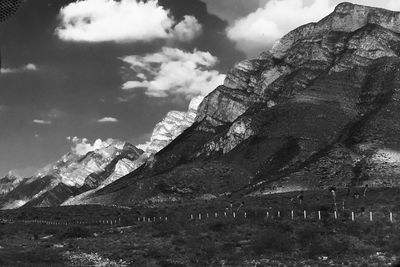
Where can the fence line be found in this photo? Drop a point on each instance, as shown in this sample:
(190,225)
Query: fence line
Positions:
(235,215)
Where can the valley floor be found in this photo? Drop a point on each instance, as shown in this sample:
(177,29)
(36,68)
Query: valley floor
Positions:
(81,236)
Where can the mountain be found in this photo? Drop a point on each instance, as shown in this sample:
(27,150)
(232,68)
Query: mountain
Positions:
(320,109)
(81,170)
(9,182)
(173,124)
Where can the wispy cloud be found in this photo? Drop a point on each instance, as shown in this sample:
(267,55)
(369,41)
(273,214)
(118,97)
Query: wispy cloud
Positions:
(107,119)
(43,122)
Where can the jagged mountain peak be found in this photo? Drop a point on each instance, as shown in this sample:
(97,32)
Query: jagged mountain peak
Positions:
(346,17)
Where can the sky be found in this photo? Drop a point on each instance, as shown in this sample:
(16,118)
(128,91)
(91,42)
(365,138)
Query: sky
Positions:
(76,71)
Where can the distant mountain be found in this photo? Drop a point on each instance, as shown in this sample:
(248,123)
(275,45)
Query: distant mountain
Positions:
(321,109)
(172,125)
(74,174)
(9,182)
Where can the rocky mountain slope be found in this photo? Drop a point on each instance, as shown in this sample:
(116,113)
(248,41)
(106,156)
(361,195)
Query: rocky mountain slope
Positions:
(73,174)
(9,182)
(320,109)
(173,124)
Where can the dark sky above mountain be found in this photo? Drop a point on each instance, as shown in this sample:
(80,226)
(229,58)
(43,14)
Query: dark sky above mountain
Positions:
(100,69)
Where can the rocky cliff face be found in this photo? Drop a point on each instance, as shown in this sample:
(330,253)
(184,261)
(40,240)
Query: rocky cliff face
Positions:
(320,109)
(74,174)
(173,124)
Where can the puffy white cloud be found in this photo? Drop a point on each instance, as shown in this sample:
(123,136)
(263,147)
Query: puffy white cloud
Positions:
(43,122)
(122,21)
(108,119)
(82,146)
(26,68)
(257,31)
(174,72)
(188,29)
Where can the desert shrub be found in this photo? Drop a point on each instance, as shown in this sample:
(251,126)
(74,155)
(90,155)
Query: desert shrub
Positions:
(157,252)
(354,229)
(306,235)
(273,239)
(328,246)
(394,245)
(178,241)
(165,229)
(218,227)
(204,249)
(76,232)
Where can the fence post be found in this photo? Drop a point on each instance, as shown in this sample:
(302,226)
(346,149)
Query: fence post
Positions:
(391,217)
(292,215)
(335,213)
(207,215)
(191,217)
(200,216)
(352,216)
(279,214)
(245,214)
(234,215)
(370,216)
(267,214)
(305,214)
(319,215)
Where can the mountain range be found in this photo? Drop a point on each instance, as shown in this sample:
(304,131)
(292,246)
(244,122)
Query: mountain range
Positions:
(320,109)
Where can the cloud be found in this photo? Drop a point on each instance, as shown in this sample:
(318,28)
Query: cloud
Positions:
(230,10)
(174,72)
(26,68)
(107,119)
(43,122)
(122,21)
(188,29)
(82,146)
(257,31)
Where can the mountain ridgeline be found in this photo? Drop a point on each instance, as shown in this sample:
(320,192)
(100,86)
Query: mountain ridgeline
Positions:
(320,109)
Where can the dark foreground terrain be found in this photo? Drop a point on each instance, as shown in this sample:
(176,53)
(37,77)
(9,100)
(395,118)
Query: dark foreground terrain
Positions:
(255,240)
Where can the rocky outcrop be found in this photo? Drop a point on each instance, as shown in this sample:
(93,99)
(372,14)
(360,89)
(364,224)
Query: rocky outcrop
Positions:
(320,109)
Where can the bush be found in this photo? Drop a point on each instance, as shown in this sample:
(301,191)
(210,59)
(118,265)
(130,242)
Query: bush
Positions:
(76,232)
(166,229)
(328,246)
(307,235)
(273,239)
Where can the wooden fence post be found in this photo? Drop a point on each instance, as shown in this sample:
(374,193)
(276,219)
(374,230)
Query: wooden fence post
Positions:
(305,214)
(352,216)
(391,217)
(292,215)
(370,216)
(319,215)
(335,213)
